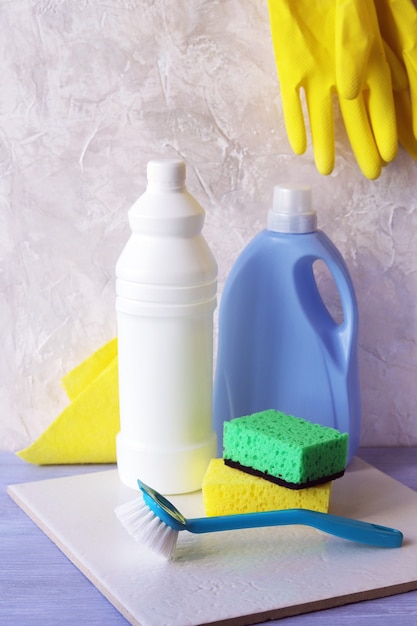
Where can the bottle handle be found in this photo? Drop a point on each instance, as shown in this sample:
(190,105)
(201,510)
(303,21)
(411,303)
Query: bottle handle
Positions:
(346,330)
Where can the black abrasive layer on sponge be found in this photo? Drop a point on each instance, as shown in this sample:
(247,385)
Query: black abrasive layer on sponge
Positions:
(285,449)
(280,481)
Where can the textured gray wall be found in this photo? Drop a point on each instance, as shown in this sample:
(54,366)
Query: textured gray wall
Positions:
(90,91)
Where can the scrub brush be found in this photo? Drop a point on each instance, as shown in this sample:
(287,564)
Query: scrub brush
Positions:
(157,522)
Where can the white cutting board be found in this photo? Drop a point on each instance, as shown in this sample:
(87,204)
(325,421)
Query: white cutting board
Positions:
(242,576)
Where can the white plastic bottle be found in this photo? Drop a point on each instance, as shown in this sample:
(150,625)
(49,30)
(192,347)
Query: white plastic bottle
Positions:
(166,295)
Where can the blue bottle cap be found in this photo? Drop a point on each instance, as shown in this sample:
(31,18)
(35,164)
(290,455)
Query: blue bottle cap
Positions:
(291,210)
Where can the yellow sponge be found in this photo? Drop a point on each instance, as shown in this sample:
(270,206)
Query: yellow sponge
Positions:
(228,491)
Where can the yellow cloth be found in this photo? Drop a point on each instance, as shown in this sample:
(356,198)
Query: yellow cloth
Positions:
(335,47)
(85,431)
(84,374)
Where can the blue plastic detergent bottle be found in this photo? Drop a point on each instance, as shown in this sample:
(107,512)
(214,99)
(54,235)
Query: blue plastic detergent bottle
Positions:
(278,345)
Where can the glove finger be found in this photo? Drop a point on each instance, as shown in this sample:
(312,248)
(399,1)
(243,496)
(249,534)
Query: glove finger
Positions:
(294,119)
(320,112)
(398,74)
(381,115)
(404,123)
(411,66)
(352,46)
(398,24)
(361,137)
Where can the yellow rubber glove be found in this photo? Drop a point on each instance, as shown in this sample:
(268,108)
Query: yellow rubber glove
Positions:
(398,25)
(361,138)
(353,45)
(402,102)
(327,47)
(378,101)
(385,122)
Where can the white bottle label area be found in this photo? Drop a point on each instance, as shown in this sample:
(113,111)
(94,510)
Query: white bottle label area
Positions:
(165,384)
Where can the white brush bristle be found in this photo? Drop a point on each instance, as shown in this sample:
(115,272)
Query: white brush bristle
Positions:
(146,527)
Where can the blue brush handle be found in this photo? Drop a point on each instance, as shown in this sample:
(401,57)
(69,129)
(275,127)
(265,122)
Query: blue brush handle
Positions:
(346,528)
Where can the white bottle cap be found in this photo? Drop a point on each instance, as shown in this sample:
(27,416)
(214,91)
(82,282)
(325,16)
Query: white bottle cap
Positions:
(166,174)
(291,210)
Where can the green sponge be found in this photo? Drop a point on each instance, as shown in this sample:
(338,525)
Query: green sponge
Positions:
(286,450)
